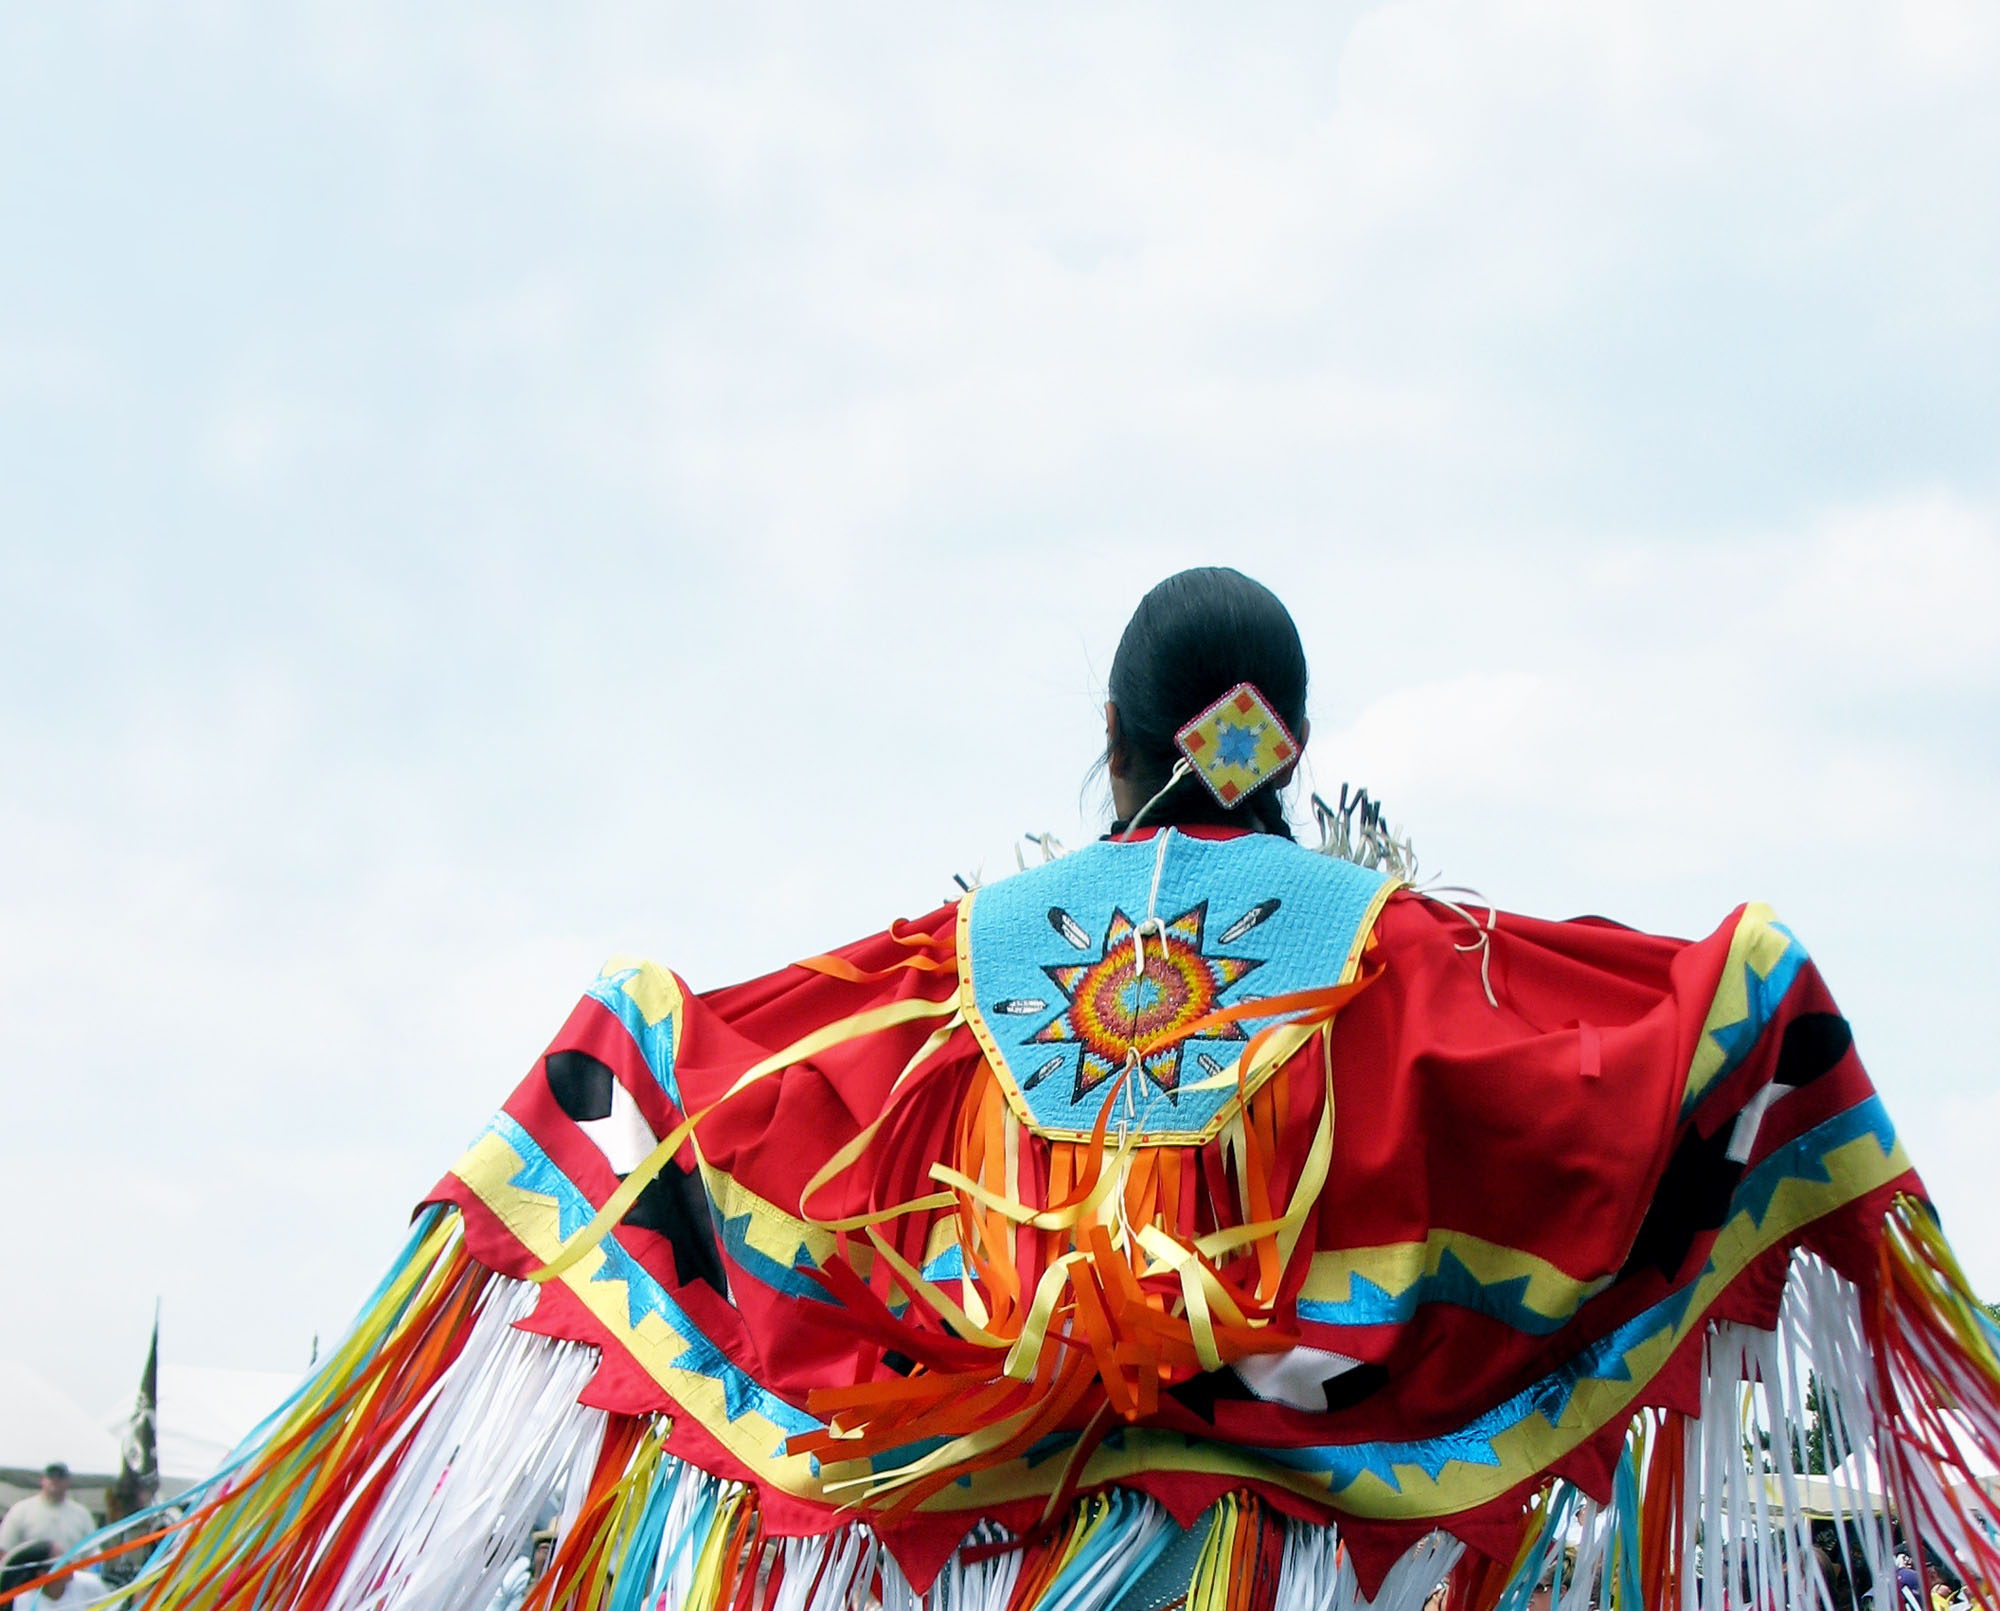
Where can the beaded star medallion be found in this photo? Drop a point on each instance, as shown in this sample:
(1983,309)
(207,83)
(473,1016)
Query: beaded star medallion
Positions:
(1238,744)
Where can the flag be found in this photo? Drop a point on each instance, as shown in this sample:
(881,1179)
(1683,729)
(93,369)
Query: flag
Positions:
(139,1452)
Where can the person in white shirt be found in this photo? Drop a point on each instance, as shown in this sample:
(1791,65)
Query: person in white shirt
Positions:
(521,1575)
(49,1517)
(68,1592)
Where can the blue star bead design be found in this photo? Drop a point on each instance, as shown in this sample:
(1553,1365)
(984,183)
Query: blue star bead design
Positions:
(1140,995)
(1237,745)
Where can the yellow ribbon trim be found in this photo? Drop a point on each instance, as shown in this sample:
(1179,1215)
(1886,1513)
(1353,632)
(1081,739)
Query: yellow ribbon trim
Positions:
(1305,1195)
(1213,1580)
(1285,1039)
(619,1203)
(1042,1219)
(1027,1350)
(957,1451)
(913,1279)
(849,1155)
(1184,1262)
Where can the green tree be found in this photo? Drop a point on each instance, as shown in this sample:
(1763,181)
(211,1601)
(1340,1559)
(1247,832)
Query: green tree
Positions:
(1809,1450)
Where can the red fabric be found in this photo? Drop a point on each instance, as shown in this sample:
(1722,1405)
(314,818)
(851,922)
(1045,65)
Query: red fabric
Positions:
(1544,1124)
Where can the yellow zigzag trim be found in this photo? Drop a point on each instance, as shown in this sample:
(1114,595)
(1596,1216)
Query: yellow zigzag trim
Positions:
(654,990)
(653,1344)
(1759,943)
(1855,1168)
(1395,1267)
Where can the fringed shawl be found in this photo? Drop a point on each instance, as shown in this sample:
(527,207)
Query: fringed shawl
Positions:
(1395,1245)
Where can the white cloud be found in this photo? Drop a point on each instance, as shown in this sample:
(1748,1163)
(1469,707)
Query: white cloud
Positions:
(1482,733)
(1898,598)
(433,420)
(1719,702)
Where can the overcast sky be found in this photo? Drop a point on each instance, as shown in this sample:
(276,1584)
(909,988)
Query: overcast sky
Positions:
(486,489)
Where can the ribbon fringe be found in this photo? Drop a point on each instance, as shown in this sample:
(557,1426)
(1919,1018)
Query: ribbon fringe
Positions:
(1718,1511)
(408,1472)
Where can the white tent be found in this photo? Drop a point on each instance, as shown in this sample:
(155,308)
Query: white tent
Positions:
(1858,1475)
(40,1423)
(203,1414)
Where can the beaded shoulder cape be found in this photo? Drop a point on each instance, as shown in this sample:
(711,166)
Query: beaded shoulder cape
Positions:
(1197,1220)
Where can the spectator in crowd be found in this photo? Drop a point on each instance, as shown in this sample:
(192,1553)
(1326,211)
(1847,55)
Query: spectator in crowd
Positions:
(1908,1593)
(66,1592)
(522,1574)
(49,1517)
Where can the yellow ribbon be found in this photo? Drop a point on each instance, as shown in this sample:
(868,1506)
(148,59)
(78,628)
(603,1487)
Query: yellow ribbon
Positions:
(1193,1290)
(850,1154)
(1027,1350)
(619,1203)
(1212,1581)
(960,1449)
(1312,1179)
(932,1294)
(1041,1219)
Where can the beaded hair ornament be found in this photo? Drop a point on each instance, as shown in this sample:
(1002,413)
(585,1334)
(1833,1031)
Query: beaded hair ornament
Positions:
(1235,747)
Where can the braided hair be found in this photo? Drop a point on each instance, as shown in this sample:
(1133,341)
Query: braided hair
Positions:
(1193,638)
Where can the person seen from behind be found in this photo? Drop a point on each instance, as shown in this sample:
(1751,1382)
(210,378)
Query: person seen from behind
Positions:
(66,1591)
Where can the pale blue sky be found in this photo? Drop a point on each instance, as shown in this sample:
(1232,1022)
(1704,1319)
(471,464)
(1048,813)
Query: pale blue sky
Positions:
(487,489)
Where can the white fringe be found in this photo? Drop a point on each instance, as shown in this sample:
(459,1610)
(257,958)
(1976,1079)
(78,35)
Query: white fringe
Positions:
(1423,1566)
(1746,1538)
(502,1430)
(1357,831)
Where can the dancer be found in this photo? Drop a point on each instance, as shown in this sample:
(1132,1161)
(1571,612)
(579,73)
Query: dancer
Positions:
(1193,1218)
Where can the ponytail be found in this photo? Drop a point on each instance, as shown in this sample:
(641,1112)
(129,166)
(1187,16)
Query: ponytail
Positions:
(1193,638)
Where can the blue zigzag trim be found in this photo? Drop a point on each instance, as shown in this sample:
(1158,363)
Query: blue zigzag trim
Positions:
(1367,1304)
(539,1175)
(1805,1158)
(791,1279)
(1605,1359)
(1764,992)
(644,1295)
(655,1041)
(1342,1465)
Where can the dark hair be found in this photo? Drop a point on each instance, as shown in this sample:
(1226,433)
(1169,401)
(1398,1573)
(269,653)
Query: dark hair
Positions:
(1192,639)
(26,1563)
